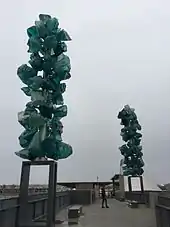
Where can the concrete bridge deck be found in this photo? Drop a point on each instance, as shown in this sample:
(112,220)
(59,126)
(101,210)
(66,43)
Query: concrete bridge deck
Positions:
(118,215)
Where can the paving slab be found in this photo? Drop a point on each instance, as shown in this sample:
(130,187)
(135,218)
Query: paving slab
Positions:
(118,215)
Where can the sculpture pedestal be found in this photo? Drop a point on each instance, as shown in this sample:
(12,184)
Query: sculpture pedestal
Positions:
(130,183)
(122,187)
(23,219)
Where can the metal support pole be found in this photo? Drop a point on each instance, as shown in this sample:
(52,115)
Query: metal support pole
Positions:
(130,183)
(23,218)
(141,184)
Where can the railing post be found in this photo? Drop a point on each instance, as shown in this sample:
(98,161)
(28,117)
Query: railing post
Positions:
(141,184)
(22,214)
(43,207)
(130,183)
(51,194)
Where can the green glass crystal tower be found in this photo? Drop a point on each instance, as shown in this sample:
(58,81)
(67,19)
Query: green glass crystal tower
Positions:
(131,150)
(44,75)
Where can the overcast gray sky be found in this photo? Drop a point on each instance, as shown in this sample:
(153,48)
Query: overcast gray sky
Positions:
(120,54)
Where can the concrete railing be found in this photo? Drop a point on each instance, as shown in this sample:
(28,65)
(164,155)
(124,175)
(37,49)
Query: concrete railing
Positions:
(37,207)
(158,202)
(163,210)
(15,191)
(141,197)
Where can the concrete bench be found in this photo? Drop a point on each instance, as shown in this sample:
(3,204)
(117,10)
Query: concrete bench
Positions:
(74,213)
(132,204)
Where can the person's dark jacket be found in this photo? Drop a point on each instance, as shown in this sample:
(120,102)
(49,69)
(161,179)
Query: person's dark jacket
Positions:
(103,193)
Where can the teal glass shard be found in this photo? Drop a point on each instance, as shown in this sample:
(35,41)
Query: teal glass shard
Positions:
(47,66)
(26,137)
(62,67)
(38,103)
(57,126)
(63,61)
(41,29)
(26,90)
(62,35)
(57,150)
(30,109)
(24,153)
(43,133)
(61,47)
(61,111)
(36,61)
(58,137)
(55,79)
(52,25)
(46,111)
(64,150)
(49,147)
(35,149)
(67,76)
(36,120)
(58,99)
(62,87)
(25,73)
(37,95)
(23,119)
(44,17)
(32,32)
(36,82)
(34,44)
(50,42)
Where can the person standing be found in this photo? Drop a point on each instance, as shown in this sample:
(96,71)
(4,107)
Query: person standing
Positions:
(104,198)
